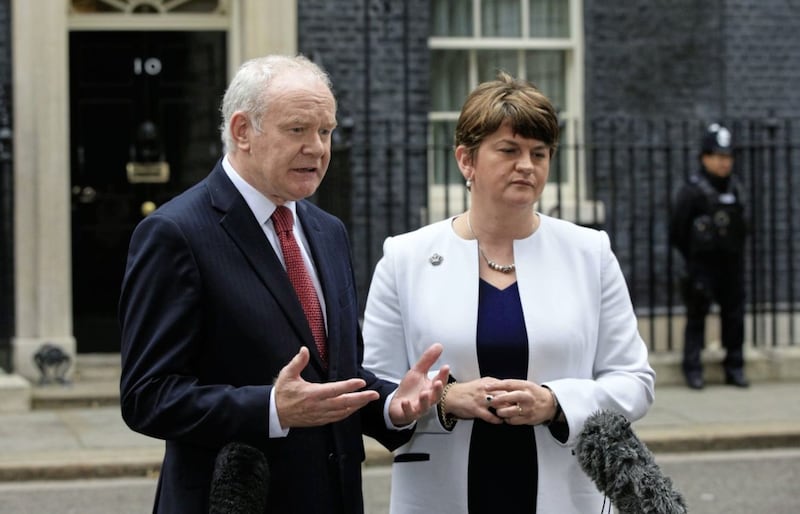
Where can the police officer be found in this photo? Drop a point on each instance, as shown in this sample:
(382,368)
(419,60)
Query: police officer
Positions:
(708,227)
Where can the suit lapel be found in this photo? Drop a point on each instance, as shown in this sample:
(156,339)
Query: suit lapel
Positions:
(242,227)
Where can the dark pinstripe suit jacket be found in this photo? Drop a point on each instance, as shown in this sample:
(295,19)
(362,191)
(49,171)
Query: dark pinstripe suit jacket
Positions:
(208,319)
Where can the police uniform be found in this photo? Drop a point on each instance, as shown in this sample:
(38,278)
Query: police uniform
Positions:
(708,227)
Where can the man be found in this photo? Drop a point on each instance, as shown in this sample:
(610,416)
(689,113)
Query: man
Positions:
(708,228)
(221,344)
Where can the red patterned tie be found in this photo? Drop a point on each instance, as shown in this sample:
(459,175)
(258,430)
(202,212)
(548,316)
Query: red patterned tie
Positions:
(298,275)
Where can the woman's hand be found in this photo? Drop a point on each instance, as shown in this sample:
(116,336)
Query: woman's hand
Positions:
(416,393)
(519,402)
(470,400)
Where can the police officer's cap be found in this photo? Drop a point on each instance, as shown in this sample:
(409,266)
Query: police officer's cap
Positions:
(717,140)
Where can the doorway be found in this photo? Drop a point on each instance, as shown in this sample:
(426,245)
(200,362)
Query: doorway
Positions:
(144,118)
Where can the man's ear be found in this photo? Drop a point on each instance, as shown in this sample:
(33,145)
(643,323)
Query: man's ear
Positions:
(240,130)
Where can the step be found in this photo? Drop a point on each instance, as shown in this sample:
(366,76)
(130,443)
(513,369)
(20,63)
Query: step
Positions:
(94,383)
(96,378)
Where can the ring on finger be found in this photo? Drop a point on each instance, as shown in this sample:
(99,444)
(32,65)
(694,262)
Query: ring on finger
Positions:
(519,409)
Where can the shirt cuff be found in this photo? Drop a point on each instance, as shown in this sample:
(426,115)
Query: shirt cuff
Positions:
(275,428)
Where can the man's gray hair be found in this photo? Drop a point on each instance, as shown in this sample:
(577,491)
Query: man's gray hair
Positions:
(247,92)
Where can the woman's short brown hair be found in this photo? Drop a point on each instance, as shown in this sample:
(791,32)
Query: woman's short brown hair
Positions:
(506,99)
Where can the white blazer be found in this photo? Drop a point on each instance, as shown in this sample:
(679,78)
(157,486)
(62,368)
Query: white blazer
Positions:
(583,343)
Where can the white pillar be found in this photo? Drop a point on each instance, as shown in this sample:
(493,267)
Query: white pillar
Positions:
(42,217)
(263,28)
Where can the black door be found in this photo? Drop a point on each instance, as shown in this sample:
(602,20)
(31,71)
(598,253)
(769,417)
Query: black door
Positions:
(144,127)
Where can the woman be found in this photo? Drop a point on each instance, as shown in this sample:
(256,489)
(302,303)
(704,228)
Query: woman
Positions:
(535,318)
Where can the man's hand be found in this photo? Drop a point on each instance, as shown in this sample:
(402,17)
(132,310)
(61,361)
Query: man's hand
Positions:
(416,393)
(306,404)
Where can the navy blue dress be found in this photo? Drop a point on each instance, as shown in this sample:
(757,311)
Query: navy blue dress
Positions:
(503,471)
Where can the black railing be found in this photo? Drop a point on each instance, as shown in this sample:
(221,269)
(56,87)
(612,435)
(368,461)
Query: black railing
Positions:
(655,158)
(629,170)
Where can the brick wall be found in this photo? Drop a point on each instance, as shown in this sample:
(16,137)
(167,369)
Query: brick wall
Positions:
(762,61)
(653,59)
(376,53)
(686,59)
(660,69)
(651,65)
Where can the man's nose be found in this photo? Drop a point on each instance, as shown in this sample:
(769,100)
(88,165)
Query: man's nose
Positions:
(315,144)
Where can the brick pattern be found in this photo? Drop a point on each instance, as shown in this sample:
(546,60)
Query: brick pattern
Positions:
(685,59)
(677,60)
(653,58)
(732,60)
(376,52)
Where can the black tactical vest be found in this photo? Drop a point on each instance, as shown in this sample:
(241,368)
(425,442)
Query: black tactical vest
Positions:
(721,228)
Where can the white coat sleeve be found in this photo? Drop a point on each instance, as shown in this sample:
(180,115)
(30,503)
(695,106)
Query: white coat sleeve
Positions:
(623,379)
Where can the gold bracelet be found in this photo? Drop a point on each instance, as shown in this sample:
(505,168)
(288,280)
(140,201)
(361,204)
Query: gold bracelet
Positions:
(448,420)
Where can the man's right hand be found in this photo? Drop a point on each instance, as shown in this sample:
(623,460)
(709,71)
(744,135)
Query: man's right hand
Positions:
(305,404)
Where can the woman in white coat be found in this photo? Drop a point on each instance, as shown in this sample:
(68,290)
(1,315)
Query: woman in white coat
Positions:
(535,319)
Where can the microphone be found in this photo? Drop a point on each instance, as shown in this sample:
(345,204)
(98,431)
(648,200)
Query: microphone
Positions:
(240,481)
(623,468)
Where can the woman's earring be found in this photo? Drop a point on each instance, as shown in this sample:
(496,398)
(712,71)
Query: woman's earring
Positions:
(469,183)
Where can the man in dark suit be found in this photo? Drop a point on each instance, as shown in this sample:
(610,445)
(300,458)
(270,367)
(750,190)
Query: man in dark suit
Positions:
(216,343)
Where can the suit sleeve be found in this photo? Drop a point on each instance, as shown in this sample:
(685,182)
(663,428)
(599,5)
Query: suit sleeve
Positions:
(161,316)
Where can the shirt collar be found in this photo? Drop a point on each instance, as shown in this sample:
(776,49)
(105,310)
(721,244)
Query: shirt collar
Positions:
(261,206)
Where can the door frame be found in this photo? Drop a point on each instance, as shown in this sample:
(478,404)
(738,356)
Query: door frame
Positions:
(42,219)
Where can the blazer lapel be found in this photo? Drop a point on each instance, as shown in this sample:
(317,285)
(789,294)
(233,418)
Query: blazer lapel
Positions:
(242,227)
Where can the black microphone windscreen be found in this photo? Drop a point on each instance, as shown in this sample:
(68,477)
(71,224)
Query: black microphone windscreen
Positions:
(623,468)
(240,481)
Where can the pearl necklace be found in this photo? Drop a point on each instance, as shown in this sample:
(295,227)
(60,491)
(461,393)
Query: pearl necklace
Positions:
(507,268)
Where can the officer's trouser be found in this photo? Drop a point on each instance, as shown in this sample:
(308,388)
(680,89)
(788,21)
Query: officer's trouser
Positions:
(720,282)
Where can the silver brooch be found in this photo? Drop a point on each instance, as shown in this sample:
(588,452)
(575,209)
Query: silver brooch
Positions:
(436,259)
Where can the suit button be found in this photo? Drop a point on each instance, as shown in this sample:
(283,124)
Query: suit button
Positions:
(332,458)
